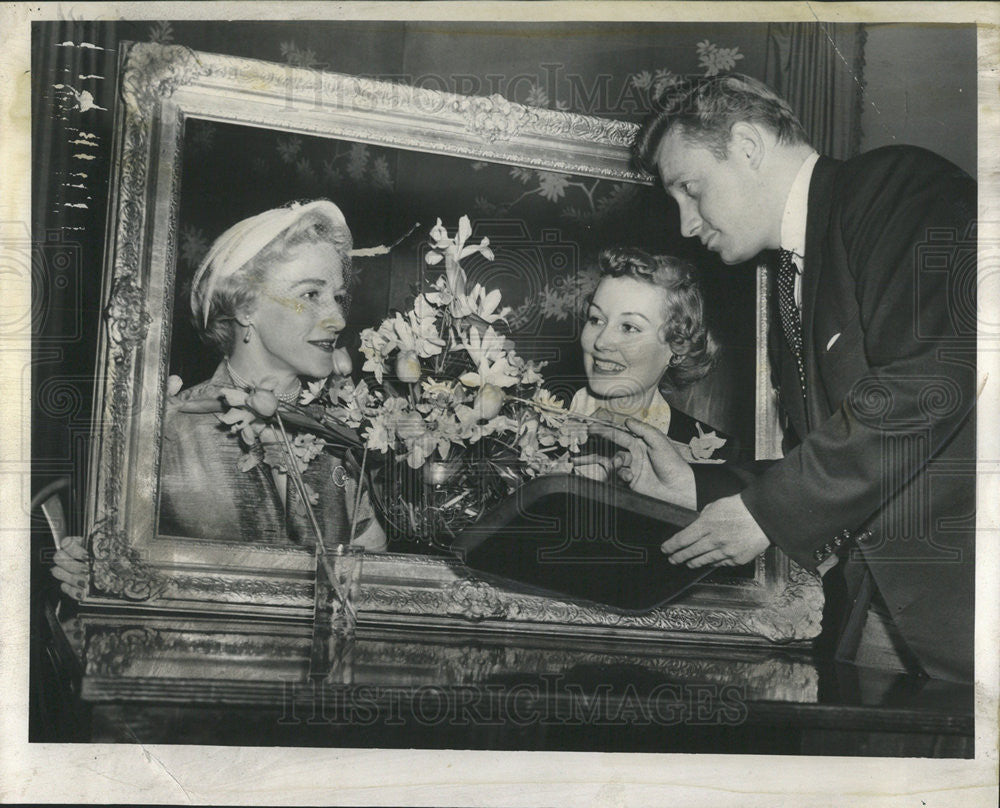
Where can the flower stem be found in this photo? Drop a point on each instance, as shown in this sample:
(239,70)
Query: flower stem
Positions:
(445,325)
(578,416)
(296,475)
(357,496)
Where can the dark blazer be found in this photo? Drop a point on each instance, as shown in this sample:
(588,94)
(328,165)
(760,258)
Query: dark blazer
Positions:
(683,428)
(886,430)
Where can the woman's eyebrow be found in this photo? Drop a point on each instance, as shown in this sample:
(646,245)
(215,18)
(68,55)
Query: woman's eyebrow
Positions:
(310,281)
(636,314)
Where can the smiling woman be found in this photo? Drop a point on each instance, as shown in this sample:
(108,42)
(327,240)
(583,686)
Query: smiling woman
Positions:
(292,328)
(270,295)
(645,328)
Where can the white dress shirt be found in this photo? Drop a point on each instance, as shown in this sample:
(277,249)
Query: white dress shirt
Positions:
(793,222)
(793,239)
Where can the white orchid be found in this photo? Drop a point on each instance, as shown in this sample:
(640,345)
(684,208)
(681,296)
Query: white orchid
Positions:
(420,448)
(417,334)
(417,436)
(376,346)
(484,346)
(307,448)
(381,434)
(244,423)
(527,369)
(536,444)
(492,366)
(442,294)
(424,309)
(454,249)
(350,402)
(551,409)
(444,424)
(440,394)
(312,391)
(451,290)
(473,427)
(484,304)
(498,373)
(703,447)
(572,434)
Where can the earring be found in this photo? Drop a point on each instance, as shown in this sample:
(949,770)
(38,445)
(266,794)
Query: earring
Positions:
(246,336)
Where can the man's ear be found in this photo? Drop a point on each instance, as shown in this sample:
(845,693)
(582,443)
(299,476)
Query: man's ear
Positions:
(747,143)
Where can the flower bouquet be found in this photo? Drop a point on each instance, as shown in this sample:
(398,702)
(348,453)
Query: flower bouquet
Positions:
(458,418)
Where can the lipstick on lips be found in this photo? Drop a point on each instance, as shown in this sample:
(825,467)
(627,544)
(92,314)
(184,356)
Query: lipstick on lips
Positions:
(606,365)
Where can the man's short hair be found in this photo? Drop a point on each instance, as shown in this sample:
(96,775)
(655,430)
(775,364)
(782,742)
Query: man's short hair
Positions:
(704,110)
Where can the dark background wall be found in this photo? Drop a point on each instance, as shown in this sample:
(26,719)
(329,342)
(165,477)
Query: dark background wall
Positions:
(918,79)
(921,82)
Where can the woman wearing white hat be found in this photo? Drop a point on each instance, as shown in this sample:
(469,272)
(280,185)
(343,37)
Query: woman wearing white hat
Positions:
(270,296)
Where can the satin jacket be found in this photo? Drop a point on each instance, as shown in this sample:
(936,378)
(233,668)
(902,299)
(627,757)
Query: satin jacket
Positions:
(204,494)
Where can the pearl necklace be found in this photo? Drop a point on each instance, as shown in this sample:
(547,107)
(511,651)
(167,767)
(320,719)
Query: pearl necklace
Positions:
(284,398)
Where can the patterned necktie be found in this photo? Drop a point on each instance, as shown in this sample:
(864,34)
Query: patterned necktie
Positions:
(791,324)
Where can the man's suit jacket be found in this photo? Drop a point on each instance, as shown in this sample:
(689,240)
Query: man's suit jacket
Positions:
(886,427)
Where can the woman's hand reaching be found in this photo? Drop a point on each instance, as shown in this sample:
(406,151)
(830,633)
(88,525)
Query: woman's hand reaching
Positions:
(71,566)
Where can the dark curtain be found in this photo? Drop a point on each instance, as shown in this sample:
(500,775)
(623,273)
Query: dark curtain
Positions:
(73,78)
(819,70)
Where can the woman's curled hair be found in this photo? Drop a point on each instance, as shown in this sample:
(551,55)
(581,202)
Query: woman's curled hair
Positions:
(684,330)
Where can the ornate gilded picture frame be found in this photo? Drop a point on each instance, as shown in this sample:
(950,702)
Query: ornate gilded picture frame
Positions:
(171,101)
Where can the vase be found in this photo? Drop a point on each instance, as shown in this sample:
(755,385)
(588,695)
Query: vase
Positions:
(335,613)
(434,503)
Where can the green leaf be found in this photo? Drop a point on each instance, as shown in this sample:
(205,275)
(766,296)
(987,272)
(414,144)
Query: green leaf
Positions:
(334,433)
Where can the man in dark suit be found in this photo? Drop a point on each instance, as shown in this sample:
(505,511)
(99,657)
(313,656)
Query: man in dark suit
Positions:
(872,338)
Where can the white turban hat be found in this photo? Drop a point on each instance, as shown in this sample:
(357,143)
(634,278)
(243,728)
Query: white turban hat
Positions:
(245,239)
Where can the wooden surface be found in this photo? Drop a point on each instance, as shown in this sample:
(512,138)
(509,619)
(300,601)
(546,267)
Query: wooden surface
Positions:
(166,679)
